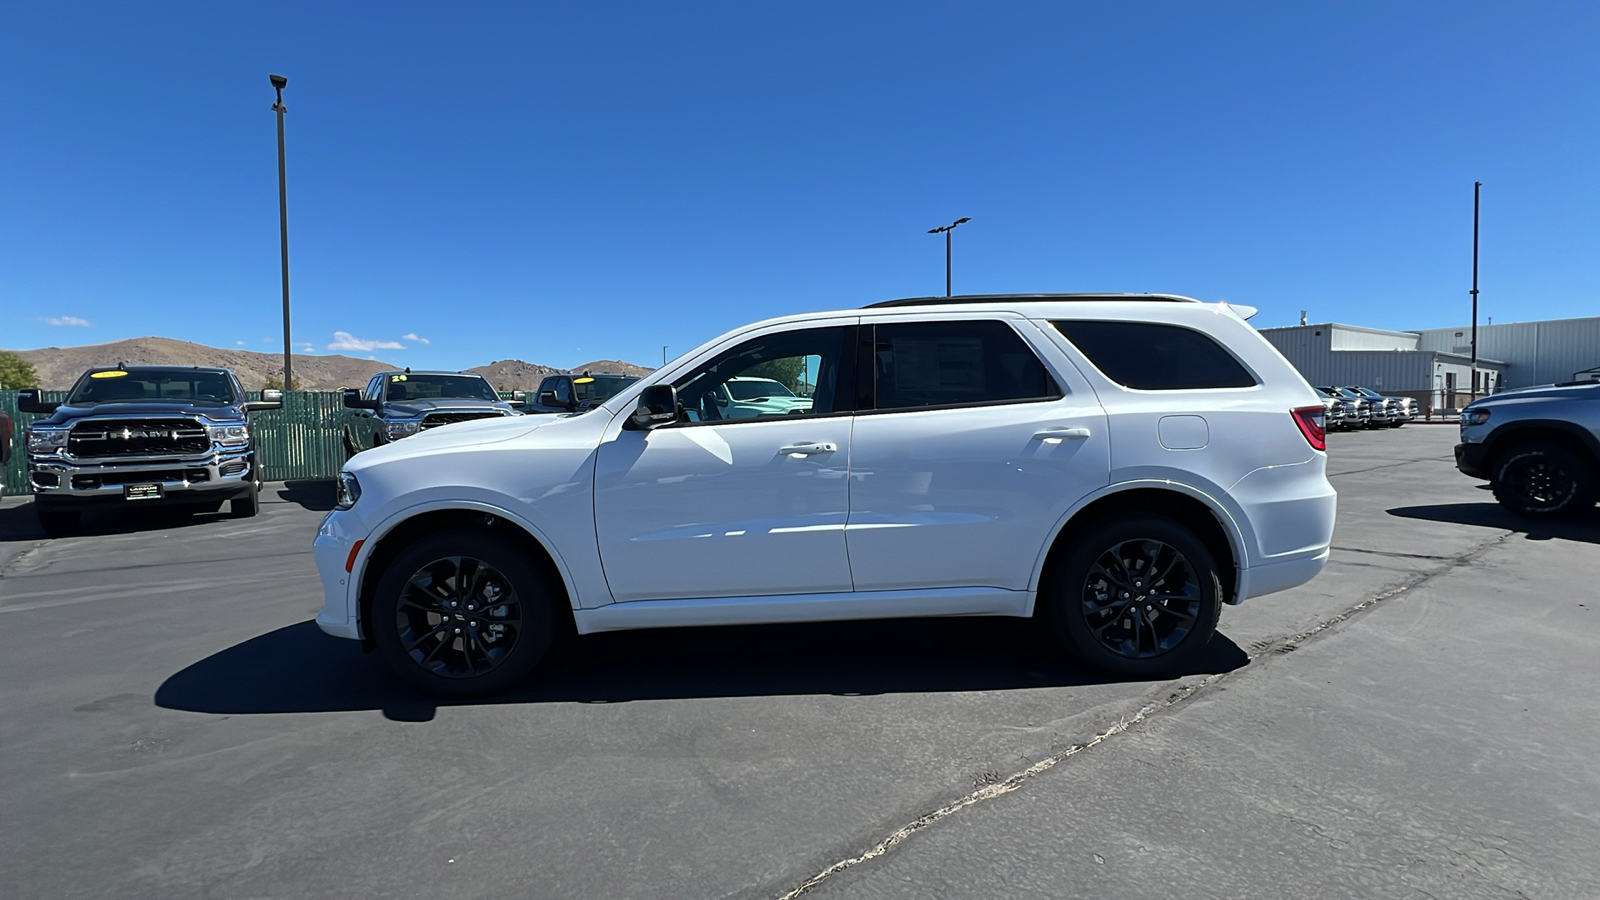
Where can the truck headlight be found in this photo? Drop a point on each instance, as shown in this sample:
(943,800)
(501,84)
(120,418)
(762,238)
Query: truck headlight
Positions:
(1474,416)
(397,430)
(349,491)
(46,440)
(230,435)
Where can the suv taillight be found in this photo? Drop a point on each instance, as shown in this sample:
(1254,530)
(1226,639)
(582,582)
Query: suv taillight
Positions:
(1310,420)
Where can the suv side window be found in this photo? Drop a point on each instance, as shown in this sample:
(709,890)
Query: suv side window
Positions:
(806,372)
(1151,356)
(916,365)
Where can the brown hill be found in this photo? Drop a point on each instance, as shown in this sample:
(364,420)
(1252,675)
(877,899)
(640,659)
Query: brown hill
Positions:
(516,375)
(59,367)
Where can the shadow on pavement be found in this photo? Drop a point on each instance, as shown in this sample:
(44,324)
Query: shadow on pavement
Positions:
(299,669)
(313,495)
(18,522)
(1585,528)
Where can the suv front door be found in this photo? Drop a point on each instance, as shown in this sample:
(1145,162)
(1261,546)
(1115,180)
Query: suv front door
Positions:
(974,451)
(713,507)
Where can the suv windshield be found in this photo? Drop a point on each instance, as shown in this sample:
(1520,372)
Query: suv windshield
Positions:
(752,388)
(599,388)
(198,387)
(409,386)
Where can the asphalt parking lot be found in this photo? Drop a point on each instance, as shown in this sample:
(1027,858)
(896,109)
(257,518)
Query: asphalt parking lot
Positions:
(1419,721)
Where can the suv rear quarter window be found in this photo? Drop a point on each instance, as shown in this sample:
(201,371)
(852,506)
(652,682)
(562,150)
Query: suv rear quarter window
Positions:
(1153,356)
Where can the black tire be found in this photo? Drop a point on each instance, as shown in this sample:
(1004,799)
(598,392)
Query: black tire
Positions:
(1546,481)
(1080,601)
(246,505)
(458,651)
(56,522)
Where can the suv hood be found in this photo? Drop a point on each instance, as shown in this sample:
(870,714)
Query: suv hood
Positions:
(1543,391)
(67,414)
(461,434)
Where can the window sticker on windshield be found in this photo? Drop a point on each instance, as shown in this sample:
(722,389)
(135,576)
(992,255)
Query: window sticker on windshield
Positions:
(114,373)
(582,380)
(395,378)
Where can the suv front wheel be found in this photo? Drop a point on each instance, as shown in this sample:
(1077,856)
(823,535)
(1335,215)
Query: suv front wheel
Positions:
(462,613)
(1138,594)
(1544,480)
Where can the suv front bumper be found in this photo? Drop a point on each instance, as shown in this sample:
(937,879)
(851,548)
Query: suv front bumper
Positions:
(1472,460)
(67,480)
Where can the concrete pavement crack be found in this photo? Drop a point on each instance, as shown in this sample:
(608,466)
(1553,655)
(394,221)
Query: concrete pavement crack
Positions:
(1267,650)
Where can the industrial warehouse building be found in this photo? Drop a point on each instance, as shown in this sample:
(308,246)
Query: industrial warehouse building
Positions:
(1435,365)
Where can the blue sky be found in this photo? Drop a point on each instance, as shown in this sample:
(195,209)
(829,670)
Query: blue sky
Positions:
(564,182)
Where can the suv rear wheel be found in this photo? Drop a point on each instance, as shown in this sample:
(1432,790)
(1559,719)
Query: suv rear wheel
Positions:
(1544,480)
(463,612)
(1137,595)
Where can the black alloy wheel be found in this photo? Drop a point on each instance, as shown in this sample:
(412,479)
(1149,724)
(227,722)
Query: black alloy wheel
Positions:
(1543,480)
(1137,595)
(462,613)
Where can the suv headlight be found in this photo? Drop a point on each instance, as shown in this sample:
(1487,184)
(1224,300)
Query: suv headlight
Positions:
(1474,416)
(46,440)
(397,430)
(229,435)
(349,491)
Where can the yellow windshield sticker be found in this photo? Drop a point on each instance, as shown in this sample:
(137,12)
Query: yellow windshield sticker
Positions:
(394,378)
(114,373)
(582,380)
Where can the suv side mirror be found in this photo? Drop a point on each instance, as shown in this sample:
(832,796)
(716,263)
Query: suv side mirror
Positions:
(270,399)
(28,401)
(658,405)
(353,400)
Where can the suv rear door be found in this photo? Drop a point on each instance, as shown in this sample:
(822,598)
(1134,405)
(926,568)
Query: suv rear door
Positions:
(974,448)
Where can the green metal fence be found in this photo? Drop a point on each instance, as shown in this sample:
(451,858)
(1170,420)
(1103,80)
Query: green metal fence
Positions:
(304,440)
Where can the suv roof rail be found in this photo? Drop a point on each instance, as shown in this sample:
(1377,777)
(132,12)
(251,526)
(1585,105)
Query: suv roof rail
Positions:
(1012,298)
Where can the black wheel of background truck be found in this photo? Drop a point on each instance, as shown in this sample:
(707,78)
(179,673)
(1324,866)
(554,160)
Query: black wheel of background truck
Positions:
(248,504)
(1137,594)
(463,612)
(1547,481)
(55,521)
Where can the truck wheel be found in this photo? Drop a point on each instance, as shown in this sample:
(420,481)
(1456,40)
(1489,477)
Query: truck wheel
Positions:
(247,505)
(463,613)
(1137,594)
(1544,480)
(56,522)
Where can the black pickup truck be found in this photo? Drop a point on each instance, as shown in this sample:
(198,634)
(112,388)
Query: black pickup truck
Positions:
(396,405)
(133,435)
(575,393)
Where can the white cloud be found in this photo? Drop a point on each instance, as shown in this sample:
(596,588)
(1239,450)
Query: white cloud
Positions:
(413,337)
(240,343)
(67,320)
(344,340)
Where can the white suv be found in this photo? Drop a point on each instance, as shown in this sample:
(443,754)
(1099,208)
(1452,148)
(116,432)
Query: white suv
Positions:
(1118,466)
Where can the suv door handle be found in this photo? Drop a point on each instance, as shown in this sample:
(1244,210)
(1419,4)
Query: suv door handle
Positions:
(805,448)
(1060,434)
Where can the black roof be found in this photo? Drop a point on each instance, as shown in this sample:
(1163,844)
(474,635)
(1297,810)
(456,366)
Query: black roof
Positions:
(1013,298)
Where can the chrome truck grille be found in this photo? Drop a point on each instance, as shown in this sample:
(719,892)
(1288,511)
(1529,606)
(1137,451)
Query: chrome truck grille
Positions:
(137,437)
(434,420)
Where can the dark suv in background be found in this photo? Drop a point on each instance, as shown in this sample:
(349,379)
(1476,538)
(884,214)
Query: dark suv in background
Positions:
(398,404)
(143,434)
(574,393)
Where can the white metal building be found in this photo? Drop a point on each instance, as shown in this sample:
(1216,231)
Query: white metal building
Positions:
(1434,365)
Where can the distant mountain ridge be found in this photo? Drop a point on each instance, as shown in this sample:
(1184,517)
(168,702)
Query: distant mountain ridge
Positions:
(59,367)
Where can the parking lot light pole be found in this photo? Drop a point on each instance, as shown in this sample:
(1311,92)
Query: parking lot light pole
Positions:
(945,230)
(279,83)
(1476,187)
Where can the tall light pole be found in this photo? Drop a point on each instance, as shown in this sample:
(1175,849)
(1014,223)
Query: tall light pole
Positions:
(279,83)
(1476,187)
(945,230)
